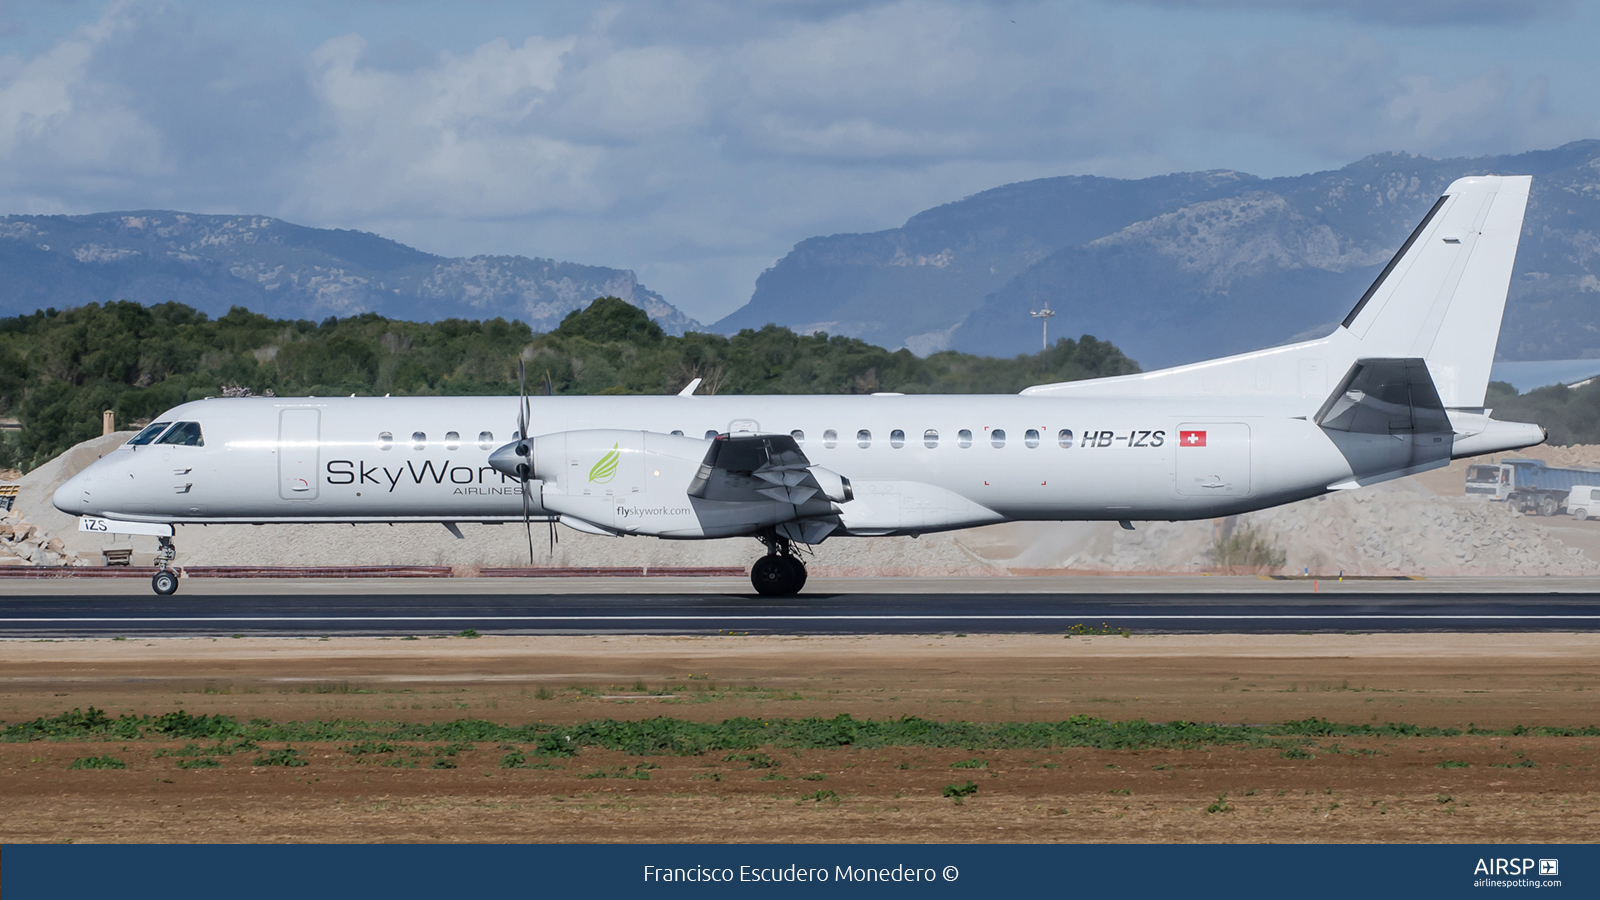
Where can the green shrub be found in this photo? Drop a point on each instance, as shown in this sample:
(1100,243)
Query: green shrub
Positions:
(1452,764)
(1296,753)
(199,762)
(970,764)
(820,796)
(1246,549)
(97,762)
(957,792)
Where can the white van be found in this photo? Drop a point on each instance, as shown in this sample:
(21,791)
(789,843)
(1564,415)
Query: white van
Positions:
(1583,502)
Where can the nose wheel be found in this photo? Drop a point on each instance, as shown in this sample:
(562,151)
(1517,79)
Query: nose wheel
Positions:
(165,581)
(780,573)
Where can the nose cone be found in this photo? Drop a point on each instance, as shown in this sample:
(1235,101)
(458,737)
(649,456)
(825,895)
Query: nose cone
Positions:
(73,496)
(514,460)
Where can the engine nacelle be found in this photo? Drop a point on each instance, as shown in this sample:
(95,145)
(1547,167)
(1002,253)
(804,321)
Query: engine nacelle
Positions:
(642,482)
(629,482)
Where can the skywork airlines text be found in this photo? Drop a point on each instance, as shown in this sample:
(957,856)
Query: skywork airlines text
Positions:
(347,471)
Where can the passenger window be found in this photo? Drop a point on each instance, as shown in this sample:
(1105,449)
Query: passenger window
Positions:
(897,439)
(385,440)
(711,435)
(964,437)
(799,437)
(452,440)
(184,434)
(677,432)
(419,440)
(863,439)
(485,440)
(998,437)
(930,438)
(830,439)
(150,433)
(1031,438)
(1064,438)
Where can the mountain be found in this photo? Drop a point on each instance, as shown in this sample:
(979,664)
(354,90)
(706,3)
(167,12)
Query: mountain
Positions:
(1184,267)
(271,266)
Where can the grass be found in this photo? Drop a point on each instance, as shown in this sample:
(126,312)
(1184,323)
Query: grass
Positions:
(97,762)
(739,735)
(1220,805)
(199,762)
(1296,753)
(1452,764)
(970,764)
(756,760)
(1082,630)
(822,796)
(284,757)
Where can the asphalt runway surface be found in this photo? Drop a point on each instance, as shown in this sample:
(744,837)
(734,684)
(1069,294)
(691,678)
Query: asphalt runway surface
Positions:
(726,607)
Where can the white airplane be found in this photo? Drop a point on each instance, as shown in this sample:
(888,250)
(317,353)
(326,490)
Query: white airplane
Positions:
(1397,388)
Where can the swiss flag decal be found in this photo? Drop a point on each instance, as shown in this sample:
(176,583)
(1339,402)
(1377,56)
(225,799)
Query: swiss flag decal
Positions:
(1191,438)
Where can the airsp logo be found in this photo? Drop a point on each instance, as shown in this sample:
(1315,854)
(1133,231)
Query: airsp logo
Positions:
(606,468)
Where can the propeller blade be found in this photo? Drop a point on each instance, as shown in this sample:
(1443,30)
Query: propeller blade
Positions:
(522,400)
(527,523)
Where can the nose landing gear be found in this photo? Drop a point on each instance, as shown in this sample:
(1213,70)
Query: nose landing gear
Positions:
(165,581)
(780,573)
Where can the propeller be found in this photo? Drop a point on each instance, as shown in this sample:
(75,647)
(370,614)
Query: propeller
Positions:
(549,389)
(524,469)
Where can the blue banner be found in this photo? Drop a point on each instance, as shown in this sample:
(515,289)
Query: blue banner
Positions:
(343,872)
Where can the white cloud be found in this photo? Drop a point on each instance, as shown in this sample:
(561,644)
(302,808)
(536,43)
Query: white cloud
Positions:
(693,139)
(1353,98)
(1410,13)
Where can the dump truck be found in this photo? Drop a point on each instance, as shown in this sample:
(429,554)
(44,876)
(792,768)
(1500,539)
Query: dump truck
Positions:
(1529,485)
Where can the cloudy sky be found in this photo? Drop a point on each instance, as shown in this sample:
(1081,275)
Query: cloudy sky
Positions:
(696,142)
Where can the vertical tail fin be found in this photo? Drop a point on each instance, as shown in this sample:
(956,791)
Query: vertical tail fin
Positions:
(1442,296)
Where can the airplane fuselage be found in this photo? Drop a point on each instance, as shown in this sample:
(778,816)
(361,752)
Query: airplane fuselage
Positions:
(918,463)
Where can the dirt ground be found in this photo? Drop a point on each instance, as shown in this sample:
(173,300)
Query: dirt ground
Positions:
(1517,788)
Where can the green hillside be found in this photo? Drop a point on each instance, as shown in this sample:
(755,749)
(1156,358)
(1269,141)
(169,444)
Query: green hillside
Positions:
(60,369)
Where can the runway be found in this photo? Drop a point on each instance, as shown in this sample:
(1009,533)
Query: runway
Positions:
(367,609)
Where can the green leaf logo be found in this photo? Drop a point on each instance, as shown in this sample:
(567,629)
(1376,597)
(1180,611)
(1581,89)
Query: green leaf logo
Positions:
(606,468)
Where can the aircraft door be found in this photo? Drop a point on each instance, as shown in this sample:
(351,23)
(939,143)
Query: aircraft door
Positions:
(299,433)
(1213,459)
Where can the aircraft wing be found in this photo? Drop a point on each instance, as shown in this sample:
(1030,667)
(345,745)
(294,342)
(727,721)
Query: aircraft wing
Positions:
(761,468)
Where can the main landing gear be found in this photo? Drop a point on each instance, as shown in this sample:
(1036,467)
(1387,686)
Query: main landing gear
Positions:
(780,573)
(165,581)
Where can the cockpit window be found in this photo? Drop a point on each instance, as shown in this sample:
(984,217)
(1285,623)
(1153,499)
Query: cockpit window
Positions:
(184,434)
(150,433)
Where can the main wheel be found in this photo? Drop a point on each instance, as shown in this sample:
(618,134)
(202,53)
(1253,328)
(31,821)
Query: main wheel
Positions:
(777,576)
(165,582)
(797,571)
